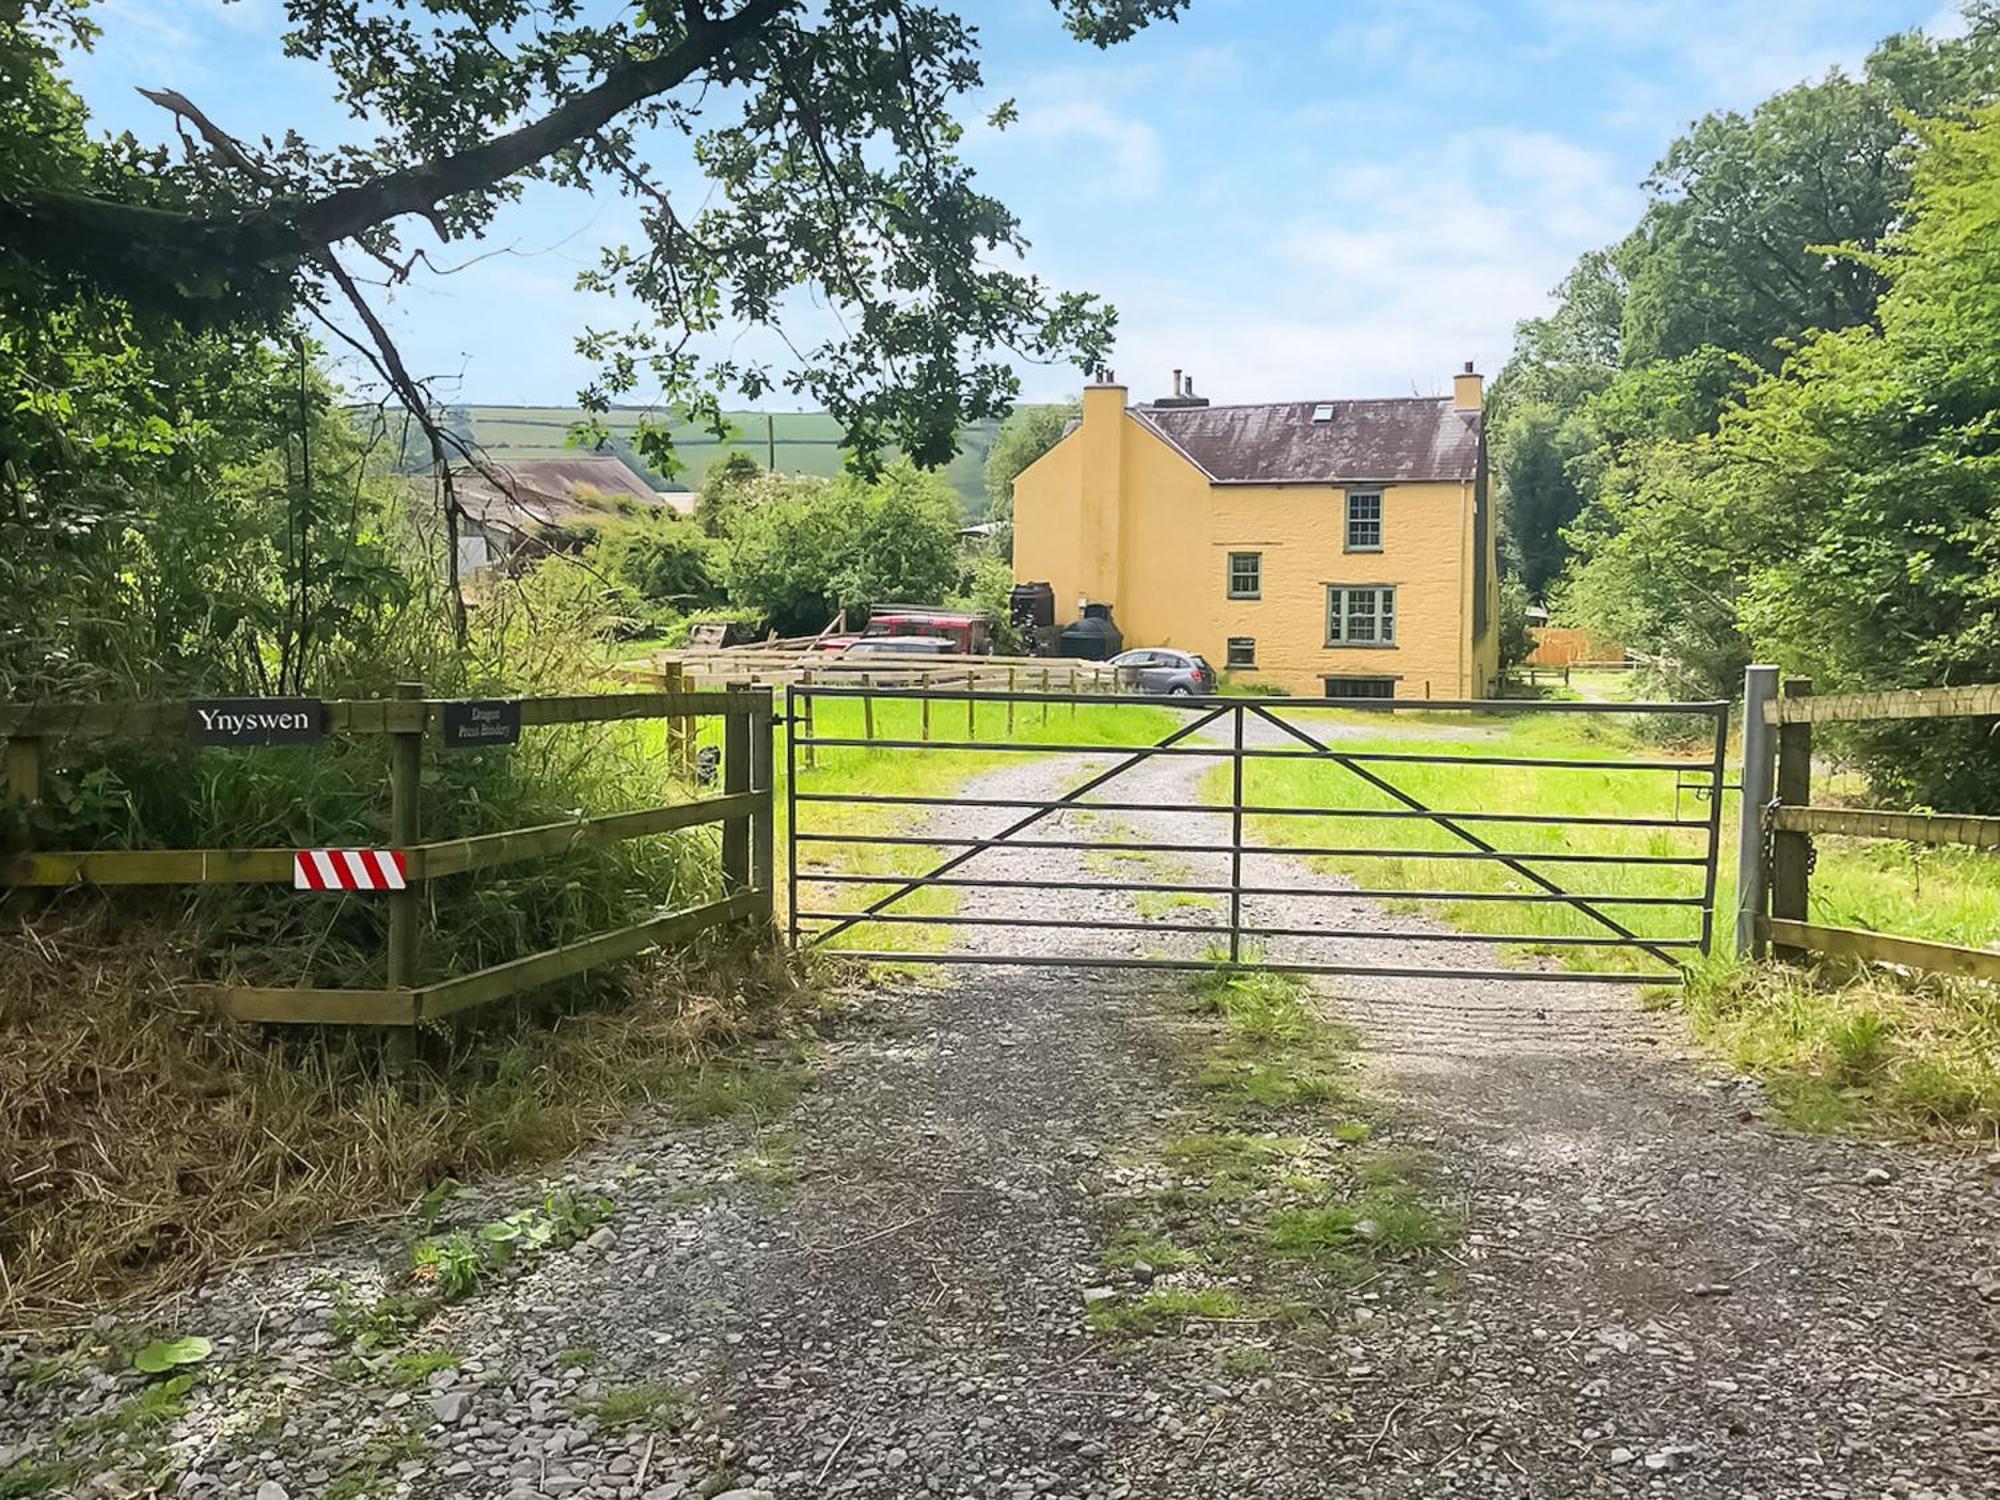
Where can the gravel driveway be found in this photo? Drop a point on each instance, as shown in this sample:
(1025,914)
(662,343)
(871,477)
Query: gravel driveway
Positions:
(882,1295)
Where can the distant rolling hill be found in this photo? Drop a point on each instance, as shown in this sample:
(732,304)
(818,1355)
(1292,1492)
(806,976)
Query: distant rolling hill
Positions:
(806,442)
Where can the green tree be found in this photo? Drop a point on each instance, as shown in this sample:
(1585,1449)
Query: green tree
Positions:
(1871,471)
(818,127)
(182,512)
(1517,636)
(723,488)
(802,558)
(1730,258)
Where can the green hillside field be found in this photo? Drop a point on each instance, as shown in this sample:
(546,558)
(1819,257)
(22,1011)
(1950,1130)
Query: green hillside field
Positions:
(804,442)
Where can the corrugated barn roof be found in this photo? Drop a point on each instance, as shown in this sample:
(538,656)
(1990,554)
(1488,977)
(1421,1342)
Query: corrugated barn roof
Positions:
(1404,439)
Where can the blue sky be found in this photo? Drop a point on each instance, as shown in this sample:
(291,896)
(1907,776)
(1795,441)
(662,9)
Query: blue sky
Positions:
(1290,198)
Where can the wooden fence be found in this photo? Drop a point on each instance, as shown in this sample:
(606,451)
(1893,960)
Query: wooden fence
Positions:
(1564,646)
(752,666)
(739,666)
(743,809)
(1791,820)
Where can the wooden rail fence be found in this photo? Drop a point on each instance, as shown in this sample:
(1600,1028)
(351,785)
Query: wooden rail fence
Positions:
(742,808)
(1791,819)
(744,665)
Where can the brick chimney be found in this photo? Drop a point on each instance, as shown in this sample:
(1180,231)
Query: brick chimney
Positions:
(1468,389)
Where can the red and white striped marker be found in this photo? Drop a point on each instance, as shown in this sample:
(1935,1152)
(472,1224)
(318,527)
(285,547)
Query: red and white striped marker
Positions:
(349,870)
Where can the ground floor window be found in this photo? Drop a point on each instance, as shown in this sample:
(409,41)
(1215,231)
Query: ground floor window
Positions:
(1242,651)
(1363,616)
(1361,687)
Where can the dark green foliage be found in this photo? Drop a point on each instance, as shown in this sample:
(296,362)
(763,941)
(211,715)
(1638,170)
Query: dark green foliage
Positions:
(1517,639)
(1731,258)
(801,559)
(812,129)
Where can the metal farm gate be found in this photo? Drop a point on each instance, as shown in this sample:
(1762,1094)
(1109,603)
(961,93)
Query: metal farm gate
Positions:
(861,855)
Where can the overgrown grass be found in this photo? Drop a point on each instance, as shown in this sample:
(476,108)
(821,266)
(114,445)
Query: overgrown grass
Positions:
(638,1405)
(1850,1049)
(1840,1048)
(1274,1203)
(142,1141)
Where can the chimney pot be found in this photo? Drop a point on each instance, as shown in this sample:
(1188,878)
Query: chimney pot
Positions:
(1468,367)
(1175,388)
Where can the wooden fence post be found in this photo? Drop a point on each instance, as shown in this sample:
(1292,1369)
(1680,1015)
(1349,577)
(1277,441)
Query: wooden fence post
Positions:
(763,841)
(406,774)
(736,764)
(867,706)
(806,709)
(971,706)
(924,687)
(680,727)
(1011,690)
(1791,851)
(1045,695)
(23,772)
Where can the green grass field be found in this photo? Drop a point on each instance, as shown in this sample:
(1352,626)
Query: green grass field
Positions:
(837,770)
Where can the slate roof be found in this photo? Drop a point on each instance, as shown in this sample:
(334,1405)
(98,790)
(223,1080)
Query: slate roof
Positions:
(1403,439)
(552,491)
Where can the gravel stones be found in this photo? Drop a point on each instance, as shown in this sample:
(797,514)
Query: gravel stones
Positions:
(1653,1297)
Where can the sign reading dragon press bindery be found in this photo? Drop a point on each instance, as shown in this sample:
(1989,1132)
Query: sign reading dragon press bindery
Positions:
(475,722)
(257,721)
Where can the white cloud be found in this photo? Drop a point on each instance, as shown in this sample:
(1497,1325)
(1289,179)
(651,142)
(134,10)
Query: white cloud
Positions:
(1729,53)
(1128,161)
(1404,269)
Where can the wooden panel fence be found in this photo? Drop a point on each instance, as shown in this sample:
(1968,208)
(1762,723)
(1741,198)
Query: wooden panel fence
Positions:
(743,809)
(1792,819)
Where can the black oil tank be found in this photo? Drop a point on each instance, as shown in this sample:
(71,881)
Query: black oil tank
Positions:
(1094,637)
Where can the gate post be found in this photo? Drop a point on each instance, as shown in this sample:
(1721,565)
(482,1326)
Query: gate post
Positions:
(735,782)
(406,773)
(1760,686)
(1236,843)
(1791,852)
(763,837)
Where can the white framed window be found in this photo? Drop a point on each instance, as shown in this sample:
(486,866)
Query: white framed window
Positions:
(1364,522)
(1242,652)
(1363,616)
(1246,575)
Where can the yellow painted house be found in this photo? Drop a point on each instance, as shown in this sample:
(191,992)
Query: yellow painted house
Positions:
(1338,549)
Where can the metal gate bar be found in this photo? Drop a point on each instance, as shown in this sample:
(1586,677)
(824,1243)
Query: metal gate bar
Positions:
(941,841)
(1377,971)
(879,799)
(830,923)
(997,883)
(1389,787)
(1164,746)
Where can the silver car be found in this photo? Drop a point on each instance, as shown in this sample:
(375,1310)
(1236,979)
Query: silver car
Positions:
(1176,674)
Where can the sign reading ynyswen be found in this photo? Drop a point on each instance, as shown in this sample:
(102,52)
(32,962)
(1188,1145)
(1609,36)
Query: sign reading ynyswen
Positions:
(476,722)
(349,870)
(257,721)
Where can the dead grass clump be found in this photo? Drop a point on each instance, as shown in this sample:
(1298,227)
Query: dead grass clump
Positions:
(144,1141)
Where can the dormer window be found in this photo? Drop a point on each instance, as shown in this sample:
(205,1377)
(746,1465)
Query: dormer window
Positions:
(1323,412)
